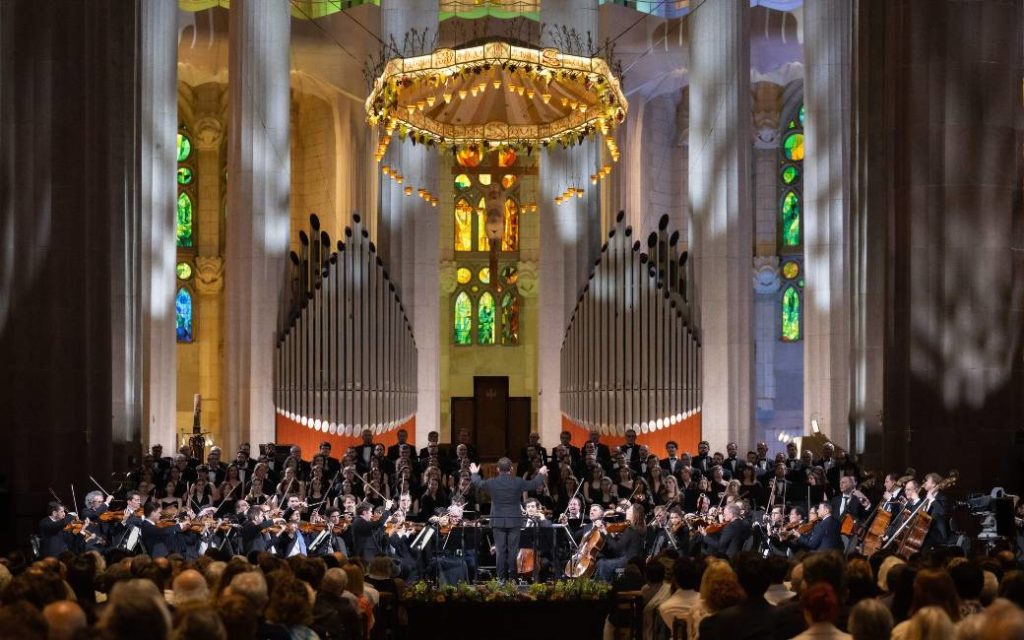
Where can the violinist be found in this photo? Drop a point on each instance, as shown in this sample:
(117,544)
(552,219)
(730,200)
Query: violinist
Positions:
(125,521)
(658,533)
(329,540)
(95,506)
(456,556)
(160,541)
(618,550)
(366,529)
(401,534)
(825,534)
(729,540)
(292,541)
(255,537)
(53,540)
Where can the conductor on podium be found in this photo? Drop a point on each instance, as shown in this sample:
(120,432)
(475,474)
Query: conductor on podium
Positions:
(506,491)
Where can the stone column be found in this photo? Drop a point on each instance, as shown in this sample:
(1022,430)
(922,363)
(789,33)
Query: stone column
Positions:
(563,244)
(158,67)
(719,186)
(71,302)
(258,213)
(410,226)
(828,35)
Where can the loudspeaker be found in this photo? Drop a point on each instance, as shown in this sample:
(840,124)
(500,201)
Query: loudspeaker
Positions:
(1003,510)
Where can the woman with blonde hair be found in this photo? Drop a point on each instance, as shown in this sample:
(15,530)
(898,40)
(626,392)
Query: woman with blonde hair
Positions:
(719,589)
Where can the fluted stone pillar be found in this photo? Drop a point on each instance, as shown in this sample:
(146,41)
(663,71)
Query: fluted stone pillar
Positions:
(258,212)
(828,37)
(719,186)
(409,225)
(564,237)
(158,110)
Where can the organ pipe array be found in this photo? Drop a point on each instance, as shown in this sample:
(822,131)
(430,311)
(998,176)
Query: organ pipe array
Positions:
(631,353)
(346,354)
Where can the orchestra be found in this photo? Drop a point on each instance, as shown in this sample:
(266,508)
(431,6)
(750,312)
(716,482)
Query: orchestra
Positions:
(431,512)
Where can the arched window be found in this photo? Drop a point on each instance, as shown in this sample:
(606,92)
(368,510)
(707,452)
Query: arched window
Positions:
(183,313)
(485,319)
(185,236)
(463,319)
(791,228)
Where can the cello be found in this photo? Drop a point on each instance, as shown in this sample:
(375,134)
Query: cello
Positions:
(871,541)
(911,534)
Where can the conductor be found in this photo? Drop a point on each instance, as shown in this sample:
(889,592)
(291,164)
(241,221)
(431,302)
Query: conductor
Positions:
(506,493)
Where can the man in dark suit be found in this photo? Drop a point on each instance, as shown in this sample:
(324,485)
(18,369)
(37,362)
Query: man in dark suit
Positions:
(672,463)
(604,455)
(565,439)
(753,618)
(365,530)
(829,463)
(730,540)
(847,501)
(159,542)
(395,450)
(631,451)
(731,463)
(825,534)
(432,439)
(254,535)
(365,451)
(506,493)
(331,465)
(937,506)
(524,454)
(53,540)
(702,461)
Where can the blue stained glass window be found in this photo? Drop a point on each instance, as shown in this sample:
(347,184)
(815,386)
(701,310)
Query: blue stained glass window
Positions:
(183,311)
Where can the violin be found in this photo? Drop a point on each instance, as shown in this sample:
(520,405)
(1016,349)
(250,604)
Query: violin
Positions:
(317,527)
(116,516)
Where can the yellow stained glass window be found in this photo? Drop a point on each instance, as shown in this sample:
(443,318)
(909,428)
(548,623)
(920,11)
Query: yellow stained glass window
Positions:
(510,237)
(508,181)
(485,275)
(463,275)
(462,181)
(469,157)
(463,226)
(506,158)
(484,179)
(482,243)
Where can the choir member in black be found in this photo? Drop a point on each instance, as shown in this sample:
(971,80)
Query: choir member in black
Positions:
(689,489)
(245,465)
(366,540)
(395,450)
(729,541)
(53,540)
(817,489)
(331,465)
(604,455)
(751,489)
(631,451)
(731,463)
(717,484)
(160,541)
(215,469)
(620,548)
(702,461)
(433,499)
(575,455)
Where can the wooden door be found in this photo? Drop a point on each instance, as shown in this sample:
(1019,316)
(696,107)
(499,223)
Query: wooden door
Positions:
(491,409)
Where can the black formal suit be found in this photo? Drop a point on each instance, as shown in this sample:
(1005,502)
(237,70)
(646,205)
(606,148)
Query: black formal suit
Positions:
(671,465)
(363,454)
(524,457)
(824,536)
(751,620)
(853,507)
(632,454)
(506,492)
(938,532)
(364,535)
(730,540)
(702,464)
(255,538)
(831,468)
(53,540)
(604,455)
(96,526)
(160,542)
(732,466)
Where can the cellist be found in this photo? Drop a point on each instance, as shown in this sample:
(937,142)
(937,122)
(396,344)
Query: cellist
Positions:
(937,506)
(628,544)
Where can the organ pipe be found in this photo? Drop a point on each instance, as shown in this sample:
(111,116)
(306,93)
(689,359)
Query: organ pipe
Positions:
(631,356)
(345,351)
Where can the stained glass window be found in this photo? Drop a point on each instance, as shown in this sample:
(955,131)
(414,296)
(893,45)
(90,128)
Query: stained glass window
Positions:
(791,219)
(463,275)
(463,321)
(184,147)
(790,174)
(790,314)
(508,181)
(790,270)
(485,319)
(510,317)
(184,232)
(183,312)
(484,179)
(184,175)
(510,275)
(462,182)
(485,275)
(793,147)
(482,242)
(506,157)
(510,237)
(469,157)
(463,226)
(184,270)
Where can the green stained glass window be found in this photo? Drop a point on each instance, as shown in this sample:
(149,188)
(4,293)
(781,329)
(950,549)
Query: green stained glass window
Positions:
(183,313)
(184,175)
(790,315)
(800,115)
(510,317)
(463,321)
(790,174)
(184,147)
(184,234)
(485,319)
(485,275)
(793,146)
(791,219)
(184,270)
(462,182)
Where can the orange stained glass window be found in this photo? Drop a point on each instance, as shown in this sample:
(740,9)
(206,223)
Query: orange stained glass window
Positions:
(463,226)
(506,157)
(510,238)
(508,181)
(469,157)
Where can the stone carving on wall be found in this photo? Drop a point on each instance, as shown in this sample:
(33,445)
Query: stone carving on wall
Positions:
(766,101)
(208,133)
(448,282)
(766,274)
(209,274)
(527,278)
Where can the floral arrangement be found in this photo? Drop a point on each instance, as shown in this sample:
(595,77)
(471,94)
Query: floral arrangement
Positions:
(496,591)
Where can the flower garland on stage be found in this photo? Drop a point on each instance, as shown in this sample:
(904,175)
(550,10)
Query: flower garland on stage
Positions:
(495,591)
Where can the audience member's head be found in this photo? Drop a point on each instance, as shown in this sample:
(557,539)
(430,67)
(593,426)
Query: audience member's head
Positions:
(1012,587)
(870,620)
(929,623)
(819,603)
(968,579)
(687,572)
(190,586)
(335,582)
(135,609)
(753,574)
(289,602)
(934,588)
(253,586)
(884,570)
(65,620)
(240,616)
(719,587)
